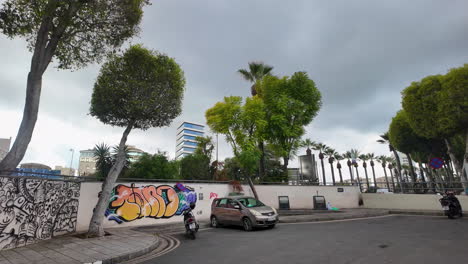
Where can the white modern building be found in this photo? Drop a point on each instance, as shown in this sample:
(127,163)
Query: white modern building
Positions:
(186,138)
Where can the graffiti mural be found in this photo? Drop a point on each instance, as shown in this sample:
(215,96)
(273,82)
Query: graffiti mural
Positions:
(32,210)
(129,203)
(213,195)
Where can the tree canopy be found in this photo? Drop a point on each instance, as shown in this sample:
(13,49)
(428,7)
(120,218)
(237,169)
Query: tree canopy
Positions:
(156,166)
(290,104)
(140,86)
(74,32)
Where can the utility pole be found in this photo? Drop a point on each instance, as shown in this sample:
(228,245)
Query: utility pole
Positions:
(71,162)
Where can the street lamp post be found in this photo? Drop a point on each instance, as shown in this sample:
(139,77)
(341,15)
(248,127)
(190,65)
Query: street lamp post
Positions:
(71,161)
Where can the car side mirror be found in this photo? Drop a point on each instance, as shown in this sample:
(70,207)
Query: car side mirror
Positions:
(236,206)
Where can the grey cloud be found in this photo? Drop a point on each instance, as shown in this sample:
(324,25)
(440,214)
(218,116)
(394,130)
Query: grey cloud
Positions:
(361,54)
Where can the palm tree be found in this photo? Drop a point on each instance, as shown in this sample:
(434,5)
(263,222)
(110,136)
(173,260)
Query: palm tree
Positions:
(308,143)
(331,158)
(339,157)
(347,155)
(102,155)
(384,139)
(255,73)
(371,156)
(354,155)
(383,160)
(364,158)
(321,148)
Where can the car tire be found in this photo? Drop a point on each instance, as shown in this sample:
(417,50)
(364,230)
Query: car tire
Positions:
(247,224)
(214,222)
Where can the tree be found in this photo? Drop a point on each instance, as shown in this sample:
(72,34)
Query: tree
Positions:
(195,167)
(383,160)
(244,126)
(331,153)
(205,146)
(384,139)
(156,166)
(436,108)
(138,89)
(371,156)
(320,147)
(365,158)
(103,158)
(291,103)
(74,34)
(353,155)
(309,144)
(255,73)
(338,157)
(404,139)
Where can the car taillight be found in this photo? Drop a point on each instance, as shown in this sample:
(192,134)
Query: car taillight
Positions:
(190,220)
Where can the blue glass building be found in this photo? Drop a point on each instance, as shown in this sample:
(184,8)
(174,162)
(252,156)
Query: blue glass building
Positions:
(185,139)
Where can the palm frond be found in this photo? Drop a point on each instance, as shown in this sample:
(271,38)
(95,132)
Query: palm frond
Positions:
(246,74)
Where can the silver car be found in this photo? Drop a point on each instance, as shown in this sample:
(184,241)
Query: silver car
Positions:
(247,212)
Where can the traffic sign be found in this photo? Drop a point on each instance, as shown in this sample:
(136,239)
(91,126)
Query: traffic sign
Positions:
(436,163)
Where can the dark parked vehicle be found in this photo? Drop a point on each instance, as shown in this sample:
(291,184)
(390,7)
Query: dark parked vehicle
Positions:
(191,225)
(451,205)
(247,212)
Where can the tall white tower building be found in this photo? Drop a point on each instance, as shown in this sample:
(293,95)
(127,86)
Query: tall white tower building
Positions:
(185,139)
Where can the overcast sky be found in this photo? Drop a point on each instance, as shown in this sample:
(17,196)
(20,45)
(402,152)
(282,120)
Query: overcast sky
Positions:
(361,54)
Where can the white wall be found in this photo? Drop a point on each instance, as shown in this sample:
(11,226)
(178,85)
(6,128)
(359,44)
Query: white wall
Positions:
(300,197)
(407,201)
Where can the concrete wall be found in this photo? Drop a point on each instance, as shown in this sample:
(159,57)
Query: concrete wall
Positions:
(406,201)
(32,210)
(300,197)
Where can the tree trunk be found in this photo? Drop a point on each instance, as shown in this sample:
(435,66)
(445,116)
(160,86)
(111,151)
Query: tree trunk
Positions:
(456,162)
(367,176)
(358,180)
(261,167)
(386,178)
(323,173)
(351,175)
(398,163)
(341,176)
(252,187)
(96,228)
(333,173)
(373,174)
(31,108)
(464,175)
(413,173)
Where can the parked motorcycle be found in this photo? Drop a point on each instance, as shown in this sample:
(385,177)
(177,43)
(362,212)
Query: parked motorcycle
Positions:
(451,205)
(191,225)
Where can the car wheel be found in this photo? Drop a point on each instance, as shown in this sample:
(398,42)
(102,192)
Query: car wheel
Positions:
(214,222)
(247,224)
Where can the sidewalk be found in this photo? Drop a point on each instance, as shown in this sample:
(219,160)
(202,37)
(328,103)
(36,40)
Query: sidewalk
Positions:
(313,215)
(123,244)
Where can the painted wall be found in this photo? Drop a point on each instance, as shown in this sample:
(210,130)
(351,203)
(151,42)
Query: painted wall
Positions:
(160,203)
(32,210)
(406,201)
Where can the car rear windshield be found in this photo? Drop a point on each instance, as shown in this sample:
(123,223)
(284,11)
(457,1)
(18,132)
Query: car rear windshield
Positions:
(250,202)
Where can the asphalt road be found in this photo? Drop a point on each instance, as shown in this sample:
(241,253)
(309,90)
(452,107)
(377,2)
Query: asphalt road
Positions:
(392,239)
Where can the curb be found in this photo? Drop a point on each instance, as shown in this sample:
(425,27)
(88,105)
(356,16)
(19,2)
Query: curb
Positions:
(426,213)
(131,255)
(322,219)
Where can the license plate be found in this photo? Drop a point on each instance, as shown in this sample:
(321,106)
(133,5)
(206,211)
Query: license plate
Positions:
(445,208)
(193,226)
(271,218)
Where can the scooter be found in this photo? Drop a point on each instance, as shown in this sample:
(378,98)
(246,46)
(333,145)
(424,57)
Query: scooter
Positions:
(450,205)
(191,225)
